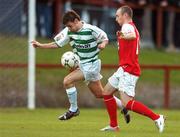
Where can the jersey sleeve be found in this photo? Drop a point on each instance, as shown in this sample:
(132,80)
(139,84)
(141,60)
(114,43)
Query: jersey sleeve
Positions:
(62,38)
(127,28)
(99,34)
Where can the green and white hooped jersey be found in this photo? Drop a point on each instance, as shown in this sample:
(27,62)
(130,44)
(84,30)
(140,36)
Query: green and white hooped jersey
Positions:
(84,42)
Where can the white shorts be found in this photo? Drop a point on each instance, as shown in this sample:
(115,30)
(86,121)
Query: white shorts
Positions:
(91,70)
(124,81)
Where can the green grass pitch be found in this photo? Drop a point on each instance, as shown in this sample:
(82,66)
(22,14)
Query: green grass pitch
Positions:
(44,123)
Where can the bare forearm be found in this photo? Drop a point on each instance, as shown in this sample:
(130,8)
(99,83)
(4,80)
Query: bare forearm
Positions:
(128,36)
(48,45)
(37,44)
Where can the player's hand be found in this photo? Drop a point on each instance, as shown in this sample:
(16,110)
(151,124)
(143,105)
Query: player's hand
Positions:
(119,34)
(101,46)
(35,44)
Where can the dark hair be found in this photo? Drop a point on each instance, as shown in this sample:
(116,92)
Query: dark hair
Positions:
(70,16)
(128,10)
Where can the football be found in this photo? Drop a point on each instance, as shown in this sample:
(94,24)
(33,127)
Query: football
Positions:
(70,60)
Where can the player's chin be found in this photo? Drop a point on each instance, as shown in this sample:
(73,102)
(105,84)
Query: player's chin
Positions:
(120,23)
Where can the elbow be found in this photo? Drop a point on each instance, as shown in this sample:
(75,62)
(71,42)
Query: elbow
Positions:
(133,38)
(106,41)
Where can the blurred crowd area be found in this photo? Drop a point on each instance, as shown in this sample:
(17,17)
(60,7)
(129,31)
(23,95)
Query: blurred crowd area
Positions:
(102,14)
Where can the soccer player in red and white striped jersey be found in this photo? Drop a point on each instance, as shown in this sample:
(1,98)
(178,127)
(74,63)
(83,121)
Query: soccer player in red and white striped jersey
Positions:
(125,78)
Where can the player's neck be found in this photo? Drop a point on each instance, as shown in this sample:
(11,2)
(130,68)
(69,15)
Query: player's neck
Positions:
(127,21)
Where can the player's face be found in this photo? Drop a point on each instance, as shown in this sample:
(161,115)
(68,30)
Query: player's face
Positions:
(119,17)
(73,26)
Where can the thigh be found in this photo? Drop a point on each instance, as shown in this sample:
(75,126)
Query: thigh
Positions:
(115,78)
(75,76)
(125,98)
(91,70)
(96,88)
(127,84)
(109,89)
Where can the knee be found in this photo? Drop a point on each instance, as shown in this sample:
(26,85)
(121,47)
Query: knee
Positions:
(98,94)
(124,103)
(67,82)
(105,92)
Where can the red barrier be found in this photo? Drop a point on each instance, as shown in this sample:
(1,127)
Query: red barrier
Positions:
(166,68)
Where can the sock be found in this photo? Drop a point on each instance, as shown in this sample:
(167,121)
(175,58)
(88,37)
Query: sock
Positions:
(118,102)
(111,107)
(140,108)
(72,95)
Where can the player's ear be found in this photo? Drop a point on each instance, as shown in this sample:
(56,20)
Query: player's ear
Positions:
(126,15)
(76,21)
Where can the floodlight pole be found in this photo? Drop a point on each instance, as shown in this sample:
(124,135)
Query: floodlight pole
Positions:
(31,54)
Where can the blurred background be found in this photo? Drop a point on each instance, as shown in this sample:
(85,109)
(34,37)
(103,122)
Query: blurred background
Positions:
(157,21)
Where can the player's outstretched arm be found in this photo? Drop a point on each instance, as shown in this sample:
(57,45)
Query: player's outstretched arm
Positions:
(37,44)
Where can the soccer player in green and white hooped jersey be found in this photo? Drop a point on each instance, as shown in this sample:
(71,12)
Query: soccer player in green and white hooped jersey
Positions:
(84,42)
(87,41)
